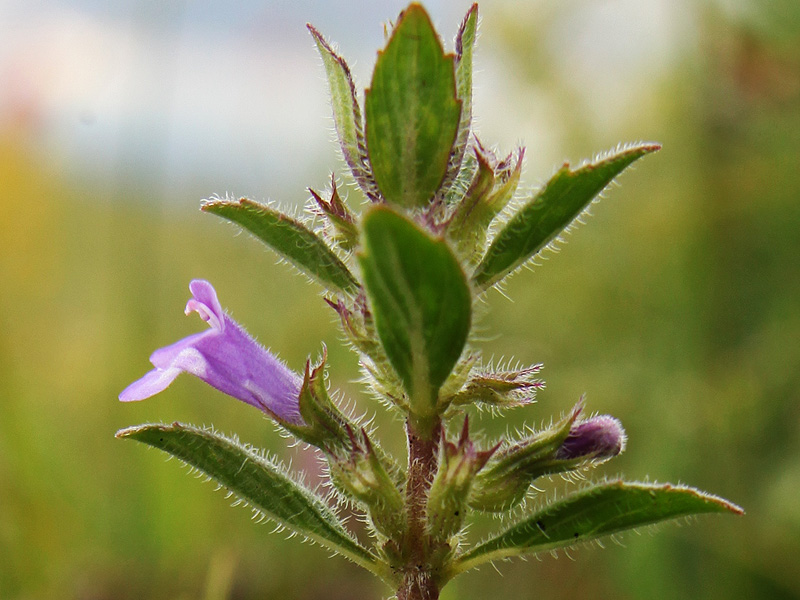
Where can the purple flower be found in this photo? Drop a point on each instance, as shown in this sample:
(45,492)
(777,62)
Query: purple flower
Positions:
(225,357)
(598,438)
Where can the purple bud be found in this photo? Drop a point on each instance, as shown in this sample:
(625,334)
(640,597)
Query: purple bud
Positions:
(598,438)
(225,357)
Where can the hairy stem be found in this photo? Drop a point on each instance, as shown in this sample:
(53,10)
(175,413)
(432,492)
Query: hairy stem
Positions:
(419,581)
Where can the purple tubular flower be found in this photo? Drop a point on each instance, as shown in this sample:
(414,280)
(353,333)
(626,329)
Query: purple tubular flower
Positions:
(225,357)
(598,438)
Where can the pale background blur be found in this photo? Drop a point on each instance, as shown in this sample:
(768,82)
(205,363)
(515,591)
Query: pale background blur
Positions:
(677,308)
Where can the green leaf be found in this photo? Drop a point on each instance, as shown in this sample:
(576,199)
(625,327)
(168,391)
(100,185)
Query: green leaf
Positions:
(347,116)
(465,42)
(421,302)
(592,513)
(549,212)
(289,238)
(412,112)
(258,481)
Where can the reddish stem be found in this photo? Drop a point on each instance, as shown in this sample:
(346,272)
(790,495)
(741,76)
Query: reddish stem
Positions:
(419,582)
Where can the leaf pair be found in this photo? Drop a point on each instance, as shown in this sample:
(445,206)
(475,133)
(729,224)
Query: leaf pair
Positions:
(549,212)
(418,115)
(597,511)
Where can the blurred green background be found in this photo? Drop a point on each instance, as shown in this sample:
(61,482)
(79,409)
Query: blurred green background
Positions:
(676,308)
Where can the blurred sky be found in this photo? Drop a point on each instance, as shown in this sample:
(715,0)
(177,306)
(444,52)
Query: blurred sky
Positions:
(231,96)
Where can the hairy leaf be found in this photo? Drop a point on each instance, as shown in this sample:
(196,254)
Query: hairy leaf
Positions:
(465,43)
(347,116)
(549,212)
(258,481)
(412,112)
(421,301)
(289,238)
(592,513)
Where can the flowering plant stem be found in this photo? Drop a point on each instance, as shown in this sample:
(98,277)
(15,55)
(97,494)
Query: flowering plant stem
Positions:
(418,579)
(444,223)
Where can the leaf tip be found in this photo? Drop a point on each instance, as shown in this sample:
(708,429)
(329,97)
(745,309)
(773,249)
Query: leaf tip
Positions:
(319,39)
(722,503)
(134,430)
(126,432)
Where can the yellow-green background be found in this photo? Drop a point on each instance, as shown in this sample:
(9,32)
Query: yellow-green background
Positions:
(676,308)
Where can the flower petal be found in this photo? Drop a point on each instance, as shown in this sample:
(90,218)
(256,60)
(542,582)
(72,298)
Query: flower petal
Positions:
(152,383)
(598,438)
(226,358)
(164,357)
(205,303)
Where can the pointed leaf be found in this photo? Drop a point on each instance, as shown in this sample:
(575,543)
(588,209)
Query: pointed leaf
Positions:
(347,116)
(412,112)
(465,42)
(289,238)
(258,481)
(549,212)
(421,301)
(592,513)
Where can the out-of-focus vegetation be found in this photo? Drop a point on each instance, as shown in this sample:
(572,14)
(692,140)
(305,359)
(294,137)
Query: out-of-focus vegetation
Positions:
(677,309)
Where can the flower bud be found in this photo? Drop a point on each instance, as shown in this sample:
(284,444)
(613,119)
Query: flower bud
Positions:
(323,424)
(598,439)
(359,327)
(447,499)
(345,232)
(492,187)
(569,445)
(503,389)
(360,473)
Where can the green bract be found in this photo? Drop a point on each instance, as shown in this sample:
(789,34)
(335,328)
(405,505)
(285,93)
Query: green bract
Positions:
(444,224)
(592,513)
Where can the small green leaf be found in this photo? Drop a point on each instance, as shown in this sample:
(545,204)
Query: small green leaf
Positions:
(347,116)
(549,212)
(592,513)
(258,481)
(421,301)
(289,238)
(465,42)
(412,112)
